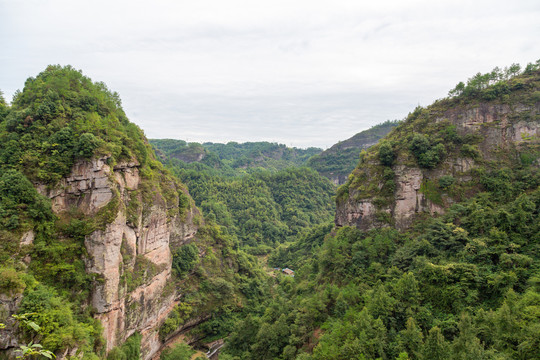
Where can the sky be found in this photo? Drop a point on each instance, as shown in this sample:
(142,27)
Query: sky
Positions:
(299,72)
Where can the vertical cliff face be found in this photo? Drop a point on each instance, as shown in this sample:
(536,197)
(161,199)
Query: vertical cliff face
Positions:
(101,244)
(440,156)
(131,251)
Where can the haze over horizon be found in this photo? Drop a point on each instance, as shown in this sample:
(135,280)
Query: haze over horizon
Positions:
(303,73)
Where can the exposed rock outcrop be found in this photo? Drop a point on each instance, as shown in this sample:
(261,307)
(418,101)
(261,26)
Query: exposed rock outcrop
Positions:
(131,252)
(500,130)
(9,304)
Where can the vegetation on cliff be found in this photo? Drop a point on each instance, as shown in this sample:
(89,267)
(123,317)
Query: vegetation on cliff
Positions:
(461,285)
(454,161)
(337,162)
(59,118)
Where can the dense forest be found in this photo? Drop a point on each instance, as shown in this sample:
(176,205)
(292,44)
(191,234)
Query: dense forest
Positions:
(235,159)
(263,208)
(458,277)
(461,285)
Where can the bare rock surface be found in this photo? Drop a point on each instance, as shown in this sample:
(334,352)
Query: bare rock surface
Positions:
(500,127)
(141,301)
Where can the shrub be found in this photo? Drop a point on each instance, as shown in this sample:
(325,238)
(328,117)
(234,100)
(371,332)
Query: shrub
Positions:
(184,259)
(178,352)
(386,153)
(86,145)
(446,181)
(427,155)
(130,350)
(10,281)
(471,151)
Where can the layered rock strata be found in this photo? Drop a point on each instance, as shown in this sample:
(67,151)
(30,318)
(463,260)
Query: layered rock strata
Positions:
(502,128)
(130,255)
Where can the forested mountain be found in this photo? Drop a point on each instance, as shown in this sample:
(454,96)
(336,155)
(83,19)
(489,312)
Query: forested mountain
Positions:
(103,252)
(337,162)
(234,158)
(263,208)
(436,253)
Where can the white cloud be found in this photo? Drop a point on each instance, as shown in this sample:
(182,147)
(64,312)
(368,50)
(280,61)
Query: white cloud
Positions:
(299,72)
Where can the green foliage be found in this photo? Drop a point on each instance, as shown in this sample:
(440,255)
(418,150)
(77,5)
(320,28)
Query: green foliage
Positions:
(61,115)
(233,159)
(58,326)
(435,346)
(31,350)
(340,160)
(177,352)
(446,181)
(143,271)
(176,318)
(131,349)
(4,108)
(183,202)
(470,151)
(11,281)
(223,285)
(455,287)
(431,191)
(293,255)
(20,203)
(427,154)
(184,259)
(386,153)
(86,145)
(493,85)
(263,208)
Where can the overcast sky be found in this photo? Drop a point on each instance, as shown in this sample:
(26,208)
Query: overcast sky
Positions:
(299,72)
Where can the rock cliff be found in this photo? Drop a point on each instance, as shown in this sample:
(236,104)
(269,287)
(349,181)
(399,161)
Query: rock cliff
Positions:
(440,155)
(131,254)
(89,221)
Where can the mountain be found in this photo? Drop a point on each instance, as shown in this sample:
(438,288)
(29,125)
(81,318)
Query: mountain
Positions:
(261,207)
(103,252)
(237,158)
(435,249)
(444,154)
(337,162)
(434,252)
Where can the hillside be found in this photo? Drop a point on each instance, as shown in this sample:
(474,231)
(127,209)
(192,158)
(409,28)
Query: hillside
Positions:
(262,208)
(235,158)
(337,162)
(435,254)
(103,253)
(446,153)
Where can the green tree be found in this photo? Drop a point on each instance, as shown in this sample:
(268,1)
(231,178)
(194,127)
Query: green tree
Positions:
(386,153)
(180,351)
(435,346)
(467,346)
(410,339)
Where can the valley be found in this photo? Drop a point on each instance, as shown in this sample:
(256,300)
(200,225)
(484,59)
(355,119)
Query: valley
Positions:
(415,239)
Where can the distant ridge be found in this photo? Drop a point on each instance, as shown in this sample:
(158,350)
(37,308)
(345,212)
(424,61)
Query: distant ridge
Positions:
(337,162)
(235,157)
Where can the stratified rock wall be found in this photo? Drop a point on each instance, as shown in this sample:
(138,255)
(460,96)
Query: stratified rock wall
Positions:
(502,129)
(132,262)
